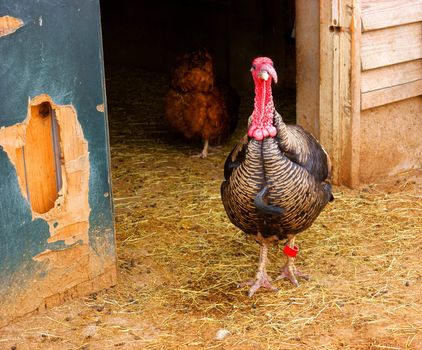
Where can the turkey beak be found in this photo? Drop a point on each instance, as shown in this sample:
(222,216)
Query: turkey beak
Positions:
(263,75)
(266,72)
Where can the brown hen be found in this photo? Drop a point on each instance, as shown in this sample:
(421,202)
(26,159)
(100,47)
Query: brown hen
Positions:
(198,108)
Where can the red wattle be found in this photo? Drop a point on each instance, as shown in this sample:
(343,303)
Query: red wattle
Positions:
(261,132)
(258,134)
(251,130)
(272,130)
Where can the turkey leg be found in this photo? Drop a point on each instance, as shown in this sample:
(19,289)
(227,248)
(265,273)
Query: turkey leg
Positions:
(261,279)
(289,270)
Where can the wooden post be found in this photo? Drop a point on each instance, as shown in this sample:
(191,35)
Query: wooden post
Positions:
(355,86)
(339,103)
(307,65)
(326,83)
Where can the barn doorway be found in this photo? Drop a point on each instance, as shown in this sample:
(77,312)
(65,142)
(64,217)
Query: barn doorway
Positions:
(142,40)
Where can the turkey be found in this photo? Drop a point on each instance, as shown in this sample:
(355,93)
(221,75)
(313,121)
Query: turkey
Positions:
(277,180)
(196,106)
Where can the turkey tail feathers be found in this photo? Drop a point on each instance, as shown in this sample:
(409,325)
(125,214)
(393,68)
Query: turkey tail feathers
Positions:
(264,208)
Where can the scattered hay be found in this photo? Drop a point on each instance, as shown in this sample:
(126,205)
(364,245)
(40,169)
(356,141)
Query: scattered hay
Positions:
(180,259)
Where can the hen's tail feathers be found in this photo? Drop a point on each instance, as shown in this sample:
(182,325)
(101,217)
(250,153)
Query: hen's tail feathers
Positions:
(264,208)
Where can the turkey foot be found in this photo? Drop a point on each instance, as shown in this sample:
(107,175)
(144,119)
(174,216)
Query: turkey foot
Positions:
(290,272)
(262,279)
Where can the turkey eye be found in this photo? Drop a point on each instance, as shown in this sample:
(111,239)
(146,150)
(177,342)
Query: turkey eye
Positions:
(253,67)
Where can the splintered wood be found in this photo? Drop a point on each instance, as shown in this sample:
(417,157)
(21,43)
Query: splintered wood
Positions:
(9,25)
(63,205)
(30,147)
(38,160)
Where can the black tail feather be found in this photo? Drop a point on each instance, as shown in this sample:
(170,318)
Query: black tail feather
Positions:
(264,208)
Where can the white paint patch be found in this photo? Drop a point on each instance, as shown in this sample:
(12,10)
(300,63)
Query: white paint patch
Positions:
(100,108)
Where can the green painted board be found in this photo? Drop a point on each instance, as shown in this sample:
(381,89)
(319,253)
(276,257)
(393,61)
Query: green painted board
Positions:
(56,215)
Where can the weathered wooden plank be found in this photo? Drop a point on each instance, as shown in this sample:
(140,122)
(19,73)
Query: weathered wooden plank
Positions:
(337,117)
(391,94)
(391,139)
(392,45)
(326,80)
(339,114)
(377,14)
(307,70)
(336,13)
(354,145)
(389,76)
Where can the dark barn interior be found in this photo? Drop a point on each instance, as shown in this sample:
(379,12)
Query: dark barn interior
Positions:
(146,36)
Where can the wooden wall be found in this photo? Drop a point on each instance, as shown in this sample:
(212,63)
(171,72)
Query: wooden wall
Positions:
(325,35)
(391,51)
(391,87)
(368,99)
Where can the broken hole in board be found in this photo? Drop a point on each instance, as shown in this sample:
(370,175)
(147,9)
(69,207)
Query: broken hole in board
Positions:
(41,158)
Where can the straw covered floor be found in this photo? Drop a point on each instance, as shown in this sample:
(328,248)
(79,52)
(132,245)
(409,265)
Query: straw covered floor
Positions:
(180,258)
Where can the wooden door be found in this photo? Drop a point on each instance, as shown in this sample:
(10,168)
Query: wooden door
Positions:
(328,80)
(56,222)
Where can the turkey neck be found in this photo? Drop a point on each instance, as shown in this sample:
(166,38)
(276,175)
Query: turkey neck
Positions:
(263,104)
(262,116)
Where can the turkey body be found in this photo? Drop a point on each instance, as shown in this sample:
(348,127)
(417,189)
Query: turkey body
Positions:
(276,179)
(290,184)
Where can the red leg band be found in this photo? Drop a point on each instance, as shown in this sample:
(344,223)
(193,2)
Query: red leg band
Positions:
(289,251)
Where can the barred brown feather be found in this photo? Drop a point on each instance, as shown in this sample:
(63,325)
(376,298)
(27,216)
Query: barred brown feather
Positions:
(291,166)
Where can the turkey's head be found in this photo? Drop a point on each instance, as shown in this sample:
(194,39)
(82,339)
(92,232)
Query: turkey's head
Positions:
(263,69)
(263,74)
